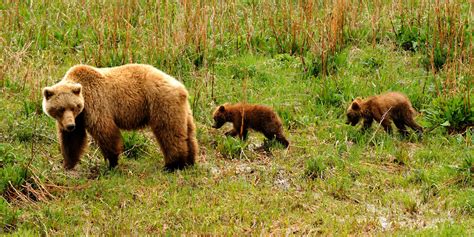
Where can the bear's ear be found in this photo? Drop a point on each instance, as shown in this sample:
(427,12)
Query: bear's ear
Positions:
(48,92)
(76,89)
(355,105)
(221,108)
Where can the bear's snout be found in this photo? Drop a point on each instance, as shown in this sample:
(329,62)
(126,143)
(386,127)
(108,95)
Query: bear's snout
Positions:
(70,127)
(218,125)
(68,122)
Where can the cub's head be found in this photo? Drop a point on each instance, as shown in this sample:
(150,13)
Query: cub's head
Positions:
(63,102)
(354,113)
(219,116)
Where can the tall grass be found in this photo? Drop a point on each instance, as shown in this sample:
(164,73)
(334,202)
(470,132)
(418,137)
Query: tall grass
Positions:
(320,55)
(104,33)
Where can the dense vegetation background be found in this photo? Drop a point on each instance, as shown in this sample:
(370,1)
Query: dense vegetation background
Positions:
(307,59)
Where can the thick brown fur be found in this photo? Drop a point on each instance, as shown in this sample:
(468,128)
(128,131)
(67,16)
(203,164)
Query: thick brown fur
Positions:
(384,109)
(102,101)
(257,117)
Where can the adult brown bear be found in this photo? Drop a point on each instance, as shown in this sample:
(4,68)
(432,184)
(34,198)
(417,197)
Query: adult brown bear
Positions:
(102,101)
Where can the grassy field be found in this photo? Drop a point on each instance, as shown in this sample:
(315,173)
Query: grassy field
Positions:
(308,60)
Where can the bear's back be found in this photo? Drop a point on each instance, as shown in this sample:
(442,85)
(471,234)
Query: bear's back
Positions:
(391,99)
(140,73)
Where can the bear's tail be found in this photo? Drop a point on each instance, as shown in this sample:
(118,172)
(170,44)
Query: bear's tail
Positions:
(192,142)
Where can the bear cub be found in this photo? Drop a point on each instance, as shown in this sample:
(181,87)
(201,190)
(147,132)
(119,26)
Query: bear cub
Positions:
(384,109)
(249,116)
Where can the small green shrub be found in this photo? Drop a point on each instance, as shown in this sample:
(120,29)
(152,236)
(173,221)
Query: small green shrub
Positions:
(12,168)
(28,130)
(314,64)
(231,147)
(241,72)
(451,113)
(9,217)
(440,55)
(372,63)
(465,203)
(410,38)
(134,144)
(466,172)
(316,167)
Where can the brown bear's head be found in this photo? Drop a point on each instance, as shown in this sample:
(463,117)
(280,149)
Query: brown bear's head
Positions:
(63,102)
(220,116)
(354,112)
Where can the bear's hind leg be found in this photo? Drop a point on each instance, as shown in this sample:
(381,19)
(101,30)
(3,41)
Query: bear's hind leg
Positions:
(73,143)
(280,138)
(192,142)
(415,126)
(174,143)
(110,142)
(401,127)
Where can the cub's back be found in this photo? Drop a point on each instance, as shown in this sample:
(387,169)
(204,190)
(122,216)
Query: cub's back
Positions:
(391,99)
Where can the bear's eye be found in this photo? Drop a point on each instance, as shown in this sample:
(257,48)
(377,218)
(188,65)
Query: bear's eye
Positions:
(61,109)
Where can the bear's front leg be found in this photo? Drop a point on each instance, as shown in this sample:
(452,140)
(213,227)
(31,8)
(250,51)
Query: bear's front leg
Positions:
(387,125)
(367,123)
(232,133)
(109,140)
(72,143)
(243,136)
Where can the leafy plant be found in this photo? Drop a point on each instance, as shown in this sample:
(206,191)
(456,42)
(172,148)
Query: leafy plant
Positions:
(452,113)
(409,38)
(9,216)
(316,167)
(438,56)
(12,171)
(231,147)
(466,172)
(134,144)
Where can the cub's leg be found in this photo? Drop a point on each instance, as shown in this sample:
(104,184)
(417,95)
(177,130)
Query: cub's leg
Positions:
(400,124)
(238,129)
(415,126)
(244,134)
(367,123)
(280,138)
(232,133)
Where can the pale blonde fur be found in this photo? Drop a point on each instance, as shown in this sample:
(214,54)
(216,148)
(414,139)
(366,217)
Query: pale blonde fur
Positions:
(130,97)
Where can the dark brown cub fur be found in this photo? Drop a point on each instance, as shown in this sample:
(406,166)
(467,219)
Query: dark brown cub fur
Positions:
(257,117)
(384,109)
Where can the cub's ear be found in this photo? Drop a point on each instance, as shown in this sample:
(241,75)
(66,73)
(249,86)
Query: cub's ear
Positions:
(221,108)
(48,92)
(76,89)
(355,105)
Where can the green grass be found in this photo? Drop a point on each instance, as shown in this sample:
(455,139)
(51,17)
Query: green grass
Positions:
(334,179)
